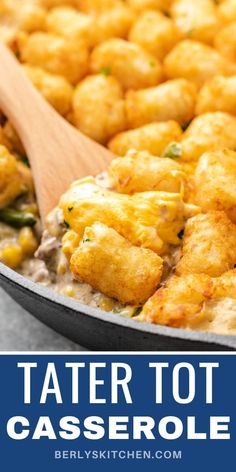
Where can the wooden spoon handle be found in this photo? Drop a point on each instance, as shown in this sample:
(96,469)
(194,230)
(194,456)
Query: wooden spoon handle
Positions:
(58,153)
(19,100)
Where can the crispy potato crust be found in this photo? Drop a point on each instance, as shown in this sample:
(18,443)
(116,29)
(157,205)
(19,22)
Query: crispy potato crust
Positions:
(148,219)
(209,245)
(109,263)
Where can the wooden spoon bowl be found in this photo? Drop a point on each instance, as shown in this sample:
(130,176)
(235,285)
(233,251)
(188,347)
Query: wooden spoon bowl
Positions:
(58,153)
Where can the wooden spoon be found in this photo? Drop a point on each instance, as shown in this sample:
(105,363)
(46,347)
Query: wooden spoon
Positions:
(58,153)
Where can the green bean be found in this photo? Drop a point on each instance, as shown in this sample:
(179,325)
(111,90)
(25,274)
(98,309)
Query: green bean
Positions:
(17,218)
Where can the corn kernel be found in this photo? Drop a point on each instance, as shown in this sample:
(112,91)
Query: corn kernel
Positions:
(68,291)
(12,256)
(106,304)
(27,241)
(31,208)
(62,265)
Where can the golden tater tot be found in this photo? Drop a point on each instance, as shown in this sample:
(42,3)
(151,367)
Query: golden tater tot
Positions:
(208,132)
(10,178)
(153,138)
(179,302)
(141,5)
(55,54)
(196,19)
(55,89)
(148,219)
(215,179)
(70,23)
(114,23)
(154,32)
(208,245)
(172,100)
(219,316)
(225,285)
(133,66)
(195,301)
(109,263)
(140,172)
(11,140)
(30,17)
(197,62)
(227,11)
(58,3)
(225,42)
(219,94)
(27,17)
(26,178)
(97,6)
(219,313)
(98,107)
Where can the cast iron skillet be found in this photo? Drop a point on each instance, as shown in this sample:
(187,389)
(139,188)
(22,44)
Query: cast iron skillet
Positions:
(98,330)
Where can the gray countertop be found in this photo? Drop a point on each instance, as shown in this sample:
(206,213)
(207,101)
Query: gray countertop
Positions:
(20,331)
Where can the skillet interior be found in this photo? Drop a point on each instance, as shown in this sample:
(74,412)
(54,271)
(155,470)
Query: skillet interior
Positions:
(98,330)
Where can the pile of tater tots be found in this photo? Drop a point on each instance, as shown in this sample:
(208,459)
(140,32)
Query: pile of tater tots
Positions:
(154,237)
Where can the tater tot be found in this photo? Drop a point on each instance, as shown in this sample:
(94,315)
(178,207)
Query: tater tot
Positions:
(153,138)
(196,19)
(227,11)
(140,172)
(197,62)
(225,285)
(55,54)
(215,182)
(219,94)
(55,89)
(172,100)
(98,107)
(133,66)
(208,132)
(225,42)
(11,140)
(208,245)
(179,302)
(10,178)
(110,264)
(154,32)
(219,316)
(58,3)
(148,219)
(29,17)
(70,23)
(141,5)
(114,23)
(195,301)
(97,6)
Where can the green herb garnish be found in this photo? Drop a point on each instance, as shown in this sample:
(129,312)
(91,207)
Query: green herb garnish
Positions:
(190,32)
(25,161)
(173,151)
(86,240)
(105,71)
(70,209)
(152,63)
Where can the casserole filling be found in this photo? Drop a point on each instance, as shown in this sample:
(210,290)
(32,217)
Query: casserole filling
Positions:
(153,237)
